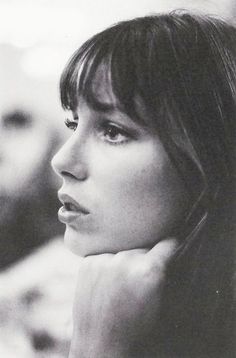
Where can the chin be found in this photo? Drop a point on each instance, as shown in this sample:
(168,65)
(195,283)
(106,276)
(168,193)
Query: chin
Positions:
(73,243)
(83,244)
(79,244)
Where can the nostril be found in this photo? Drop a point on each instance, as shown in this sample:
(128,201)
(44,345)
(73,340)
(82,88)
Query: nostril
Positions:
(67,174)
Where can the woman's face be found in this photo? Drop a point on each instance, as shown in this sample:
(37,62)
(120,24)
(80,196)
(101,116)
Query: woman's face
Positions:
(120,190)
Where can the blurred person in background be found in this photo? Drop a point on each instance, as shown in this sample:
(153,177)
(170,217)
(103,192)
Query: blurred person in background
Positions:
(36,278)
(27,141)
(27,216)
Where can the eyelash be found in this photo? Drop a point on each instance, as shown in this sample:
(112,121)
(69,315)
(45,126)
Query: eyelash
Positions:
(72,125)
(105,130)
(109,129)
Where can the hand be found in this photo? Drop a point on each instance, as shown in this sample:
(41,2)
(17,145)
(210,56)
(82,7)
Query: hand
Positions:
(117,302)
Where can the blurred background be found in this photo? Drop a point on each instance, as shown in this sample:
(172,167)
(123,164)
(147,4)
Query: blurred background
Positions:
(37,274)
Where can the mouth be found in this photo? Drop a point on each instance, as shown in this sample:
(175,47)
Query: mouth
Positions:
(71,205)
(68,206)
(71,209)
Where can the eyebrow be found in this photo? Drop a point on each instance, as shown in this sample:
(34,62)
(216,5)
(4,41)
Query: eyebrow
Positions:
(104,106)
(108,108)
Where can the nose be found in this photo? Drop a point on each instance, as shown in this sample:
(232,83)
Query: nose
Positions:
(70,160)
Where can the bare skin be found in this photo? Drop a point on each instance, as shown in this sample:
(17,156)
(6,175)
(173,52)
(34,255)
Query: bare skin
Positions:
(117,302)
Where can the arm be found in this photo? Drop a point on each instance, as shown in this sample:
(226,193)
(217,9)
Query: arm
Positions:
(117,303)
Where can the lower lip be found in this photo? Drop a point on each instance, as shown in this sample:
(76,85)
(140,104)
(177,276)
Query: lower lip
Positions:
(67,217)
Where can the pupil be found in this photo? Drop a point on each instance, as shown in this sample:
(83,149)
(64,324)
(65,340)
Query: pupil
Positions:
(112,132)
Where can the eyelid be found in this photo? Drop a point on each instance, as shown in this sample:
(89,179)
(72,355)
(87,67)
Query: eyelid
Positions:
(121,129)
(104,122)
(122,135)
(107,123)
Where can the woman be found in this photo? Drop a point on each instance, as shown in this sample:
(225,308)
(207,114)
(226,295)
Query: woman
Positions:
(149,187)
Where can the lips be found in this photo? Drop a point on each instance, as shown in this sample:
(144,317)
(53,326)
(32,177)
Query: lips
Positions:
(71,205)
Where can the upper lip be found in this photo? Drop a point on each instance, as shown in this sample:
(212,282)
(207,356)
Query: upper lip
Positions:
(67,199)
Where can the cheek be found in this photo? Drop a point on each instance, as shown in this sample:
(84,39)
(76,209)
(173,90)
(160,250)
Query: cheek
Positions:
(142,196)
(153,193)
(142,176)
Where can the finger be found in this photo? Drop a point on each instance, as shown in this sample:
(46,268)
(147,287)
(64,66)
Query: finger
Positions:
(163,251)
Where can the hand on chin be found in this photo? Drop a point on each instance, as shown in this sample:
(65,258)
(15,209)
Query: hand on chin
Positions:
(117,301)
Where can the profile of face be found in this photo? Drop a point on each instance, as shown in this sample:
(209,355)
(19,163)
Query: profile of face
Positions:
(120,190)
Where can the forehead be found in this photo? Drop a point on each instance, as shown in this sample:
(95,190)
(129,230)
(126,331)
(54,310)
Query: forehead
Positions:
(103,98)
(102,88)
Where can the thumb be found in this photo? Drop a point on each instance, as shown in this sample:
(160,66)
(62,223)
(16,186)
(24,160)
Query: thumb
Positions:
(163,251)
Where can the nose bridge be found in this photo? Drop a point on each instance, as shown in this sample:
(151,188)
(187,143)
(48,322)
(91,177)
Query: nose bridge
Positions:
(71,158)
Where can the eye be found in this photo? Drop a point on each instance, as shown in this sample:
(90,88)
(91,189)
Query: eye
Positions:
(114,134)
(72,125)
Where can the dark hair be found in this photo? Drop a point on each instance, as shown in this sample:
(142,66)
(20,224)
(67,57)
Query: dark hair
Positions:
(183,67)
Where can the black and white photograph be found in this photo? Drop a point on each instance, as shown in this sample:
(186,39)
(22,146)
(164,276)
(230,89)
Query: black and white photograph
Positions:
(118,179)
